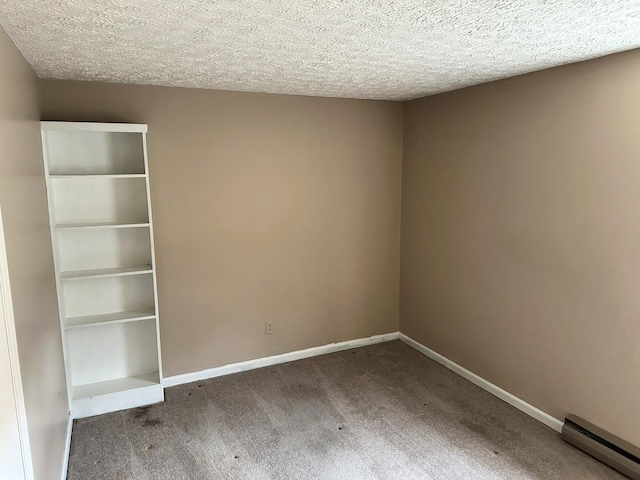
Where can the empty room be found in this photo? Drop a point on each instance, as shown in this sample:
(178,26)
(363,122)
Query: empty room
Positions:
(332,239)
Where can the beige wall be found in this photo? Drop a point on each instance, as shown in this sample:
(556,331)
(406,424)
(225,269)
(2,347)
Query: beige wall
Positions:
(521,236)
(24,210)
(266,208)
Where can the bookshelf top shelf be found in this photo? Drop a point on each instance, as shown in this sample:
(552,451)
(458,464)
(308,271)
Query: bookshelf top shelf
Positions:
(73,150)
(94,127)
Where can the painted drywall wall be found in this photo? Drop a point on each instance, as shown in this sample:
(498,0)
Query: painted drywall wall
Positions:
(30,261)
(266,208)
(521,236)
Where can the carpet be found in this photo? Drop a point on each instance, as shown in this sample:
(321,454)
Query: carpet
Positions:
(380,412)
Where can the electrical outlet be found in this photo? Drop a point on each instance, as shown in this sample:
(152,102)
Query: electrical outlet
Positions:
(268,328)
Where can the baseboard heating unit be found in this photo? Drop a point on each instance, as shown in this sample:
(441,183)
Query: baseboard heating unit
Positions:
(609,449)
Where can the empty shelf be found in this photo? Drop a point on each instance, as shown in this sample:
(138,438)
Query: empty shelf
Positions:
(108,318)
(102,225)
(117,385)
(99,175)
(106,272)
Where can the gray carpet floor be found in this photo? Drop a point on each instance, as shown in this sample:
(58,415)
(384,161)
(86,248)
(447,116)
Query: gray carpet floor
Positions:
(379,412)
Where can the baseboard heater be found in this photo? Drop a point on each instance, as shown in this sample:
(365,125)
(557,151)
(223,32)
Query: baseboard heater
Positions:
(609,449)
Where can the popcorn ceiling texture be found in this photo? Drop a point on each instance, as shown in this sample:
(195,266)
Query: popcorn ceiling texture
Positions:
(393,49)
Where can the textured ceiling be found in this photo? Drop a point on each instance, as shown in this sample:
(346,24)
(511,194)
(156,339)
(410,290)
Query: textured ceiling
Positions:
(393,49)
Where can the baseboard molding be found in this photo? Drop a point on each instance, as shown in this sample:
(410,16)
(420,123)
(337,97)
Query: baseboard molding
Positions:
(67,449)
(512,400)
(231,368)
(275,359)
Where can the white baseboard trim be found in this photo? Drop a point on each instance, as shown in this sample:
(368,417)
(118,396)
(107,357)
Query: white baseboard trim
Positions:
(512,400)
(67,449)
(275,359)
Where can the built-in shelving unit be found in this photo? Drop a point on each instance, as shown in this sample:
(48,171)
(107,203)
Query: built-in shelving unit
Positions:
(102,235)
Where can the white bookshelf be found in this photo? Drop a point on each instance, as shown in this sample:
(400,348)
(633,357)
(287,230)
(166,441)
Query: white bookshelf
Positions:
(102,236)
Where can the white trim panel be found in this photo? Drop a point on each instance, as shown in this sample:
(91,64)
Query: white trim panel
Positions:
(8,323)
(113,402)
(67,450)
(276,359)
(95,127)
(512,400)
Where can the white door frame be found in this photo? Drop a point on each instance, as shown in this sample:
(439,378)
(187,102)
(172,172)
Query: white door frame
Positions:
(7,322)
